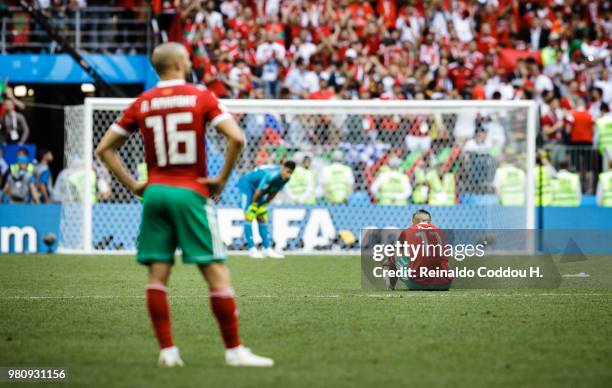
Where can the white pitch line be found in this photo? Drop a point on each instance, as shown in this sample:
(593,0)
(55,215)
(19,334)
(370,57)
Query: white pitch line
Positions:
(400,295)
(406,295)
(435,294)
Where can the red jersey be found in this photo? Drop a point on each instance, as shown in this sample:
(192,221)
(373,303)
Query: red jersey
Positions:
(388,11)
(581,126)
(461,75)
(422,236)
(323,94)
(172,119)
(487,43)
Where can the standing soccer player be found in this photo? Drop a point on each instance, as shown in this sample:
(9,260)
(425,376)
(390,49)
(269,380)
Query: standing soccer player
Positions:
(426,235)
(177,210)
(257,189)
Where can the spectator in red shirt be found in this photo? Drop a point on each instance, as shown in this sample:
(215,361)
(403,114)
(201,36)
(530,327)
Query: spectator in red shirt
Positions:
(478,91)
(213,79)
(386,9)
(245,53)
(486,42)
(552,120)
(244,24)
(360,13)
(580,127)
(325,91)
(460,74)
(372,39)
(276,28)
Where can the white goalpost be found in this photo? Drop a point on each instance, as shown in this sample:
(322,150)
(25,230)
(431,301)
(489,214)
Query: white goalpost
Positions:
(101,216)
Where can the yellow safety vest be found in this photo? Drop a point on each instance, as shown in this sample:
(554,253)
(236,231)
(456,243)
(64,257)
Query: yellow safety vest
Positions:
(442,192)
(419,195)
(337,183)
(565,189)
(76,181)
(604,132)
(548,55)
(511,186)
(605,179)
(299,184)
(15,168)
(543,189)
(392,184)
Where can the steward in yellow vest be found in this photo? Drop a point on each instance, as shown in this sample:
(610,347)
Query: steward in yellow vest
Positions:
(566,188)
(604,187)
(22,154)
(76,182)
(543,183)
(604,130)
(337,180)
(302,185)
(391,187)
(509,183)
(442,192)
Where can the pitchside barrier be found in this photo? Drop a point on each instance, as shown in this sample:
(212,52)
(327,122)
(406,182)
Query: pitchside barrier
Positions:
(24,227)
(439,137)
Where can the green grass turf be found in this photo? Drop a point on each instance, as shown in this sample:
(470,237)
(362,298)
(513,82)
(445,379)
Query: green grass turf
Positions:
(310,314)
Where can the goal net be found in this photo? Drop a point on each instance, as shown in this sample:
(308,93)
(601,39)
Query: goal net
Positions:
(449,151)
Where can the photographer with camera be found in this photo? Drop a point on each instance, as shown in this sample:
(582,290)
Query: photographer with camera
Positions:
(13,126)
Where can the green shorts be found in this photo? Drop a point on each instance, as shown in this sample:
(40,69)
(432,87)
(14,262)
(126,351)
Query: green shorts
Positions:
(177,217)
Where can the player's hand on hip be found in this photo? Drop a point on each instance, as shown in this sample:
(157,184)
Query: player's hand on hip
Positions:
(138,188)
(215,184)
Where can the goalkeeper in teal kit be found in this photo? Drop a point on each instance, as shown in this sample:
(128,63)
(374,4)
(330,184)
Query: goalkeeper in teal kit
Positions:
(257,189)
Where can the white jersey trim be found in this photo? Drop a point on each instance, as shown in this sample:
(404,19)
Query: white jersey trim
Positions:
(119,130)
(220,118)
(171,82)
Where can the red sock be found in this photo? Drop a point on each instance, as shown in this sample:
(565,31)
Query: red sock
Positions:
(223,306)
(157,303)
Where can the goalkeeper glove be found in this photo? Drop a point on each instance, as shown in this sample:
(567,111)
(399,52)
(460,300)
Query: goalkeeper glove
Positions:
(262,212)
(251,212)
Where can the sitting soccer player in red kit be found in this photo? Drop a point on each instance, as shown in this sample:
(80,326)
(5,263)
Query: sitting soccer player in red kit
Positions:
(427,265)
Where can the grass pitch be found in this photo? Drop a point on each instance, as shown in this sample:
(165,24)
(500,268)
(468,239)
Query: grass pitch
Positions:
(310,315)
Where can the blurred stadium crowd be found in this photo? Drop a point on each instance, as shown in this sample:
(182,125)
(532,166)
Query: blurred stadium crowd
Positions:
(552,51)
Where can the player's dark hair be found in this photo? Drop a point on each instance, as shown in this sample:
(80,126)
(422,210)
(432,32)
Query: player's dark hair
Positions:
(422,211)
(42,152)
(290,164)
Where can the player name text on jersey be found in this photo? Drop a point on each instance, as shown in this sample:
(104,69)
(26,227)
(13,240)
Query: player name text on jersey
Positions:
(170,102)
